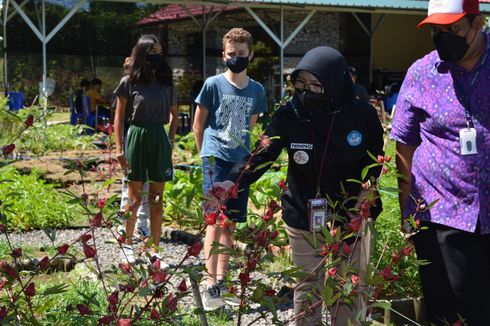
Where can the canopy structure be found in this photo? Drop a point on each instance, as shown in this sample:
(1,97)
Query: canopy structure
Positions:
(384,7)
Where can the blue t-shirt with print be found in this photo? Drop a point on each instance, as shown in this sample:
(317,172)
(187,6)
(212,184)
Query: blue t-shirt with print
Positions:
(226,133)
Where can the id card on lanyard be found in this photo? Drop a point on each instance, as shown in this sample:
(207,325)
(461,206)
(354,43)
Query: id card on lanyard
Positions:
(468,135)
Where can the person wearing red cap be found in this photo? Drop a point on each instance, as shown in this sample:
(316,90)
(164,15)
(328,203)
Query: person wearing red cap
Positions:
(442,130)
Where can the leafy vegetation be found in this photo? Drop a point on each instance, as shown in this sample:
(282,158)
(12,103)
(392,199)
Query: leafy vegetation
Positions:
(30,203)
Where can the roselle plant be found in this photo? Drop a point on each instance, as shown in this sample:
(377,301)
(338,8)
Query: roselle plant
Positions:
(145,293)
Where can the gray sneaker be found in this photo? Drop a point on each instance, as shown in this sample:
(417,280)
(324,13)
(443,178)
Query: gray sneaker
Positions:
(211,299)
(227,297)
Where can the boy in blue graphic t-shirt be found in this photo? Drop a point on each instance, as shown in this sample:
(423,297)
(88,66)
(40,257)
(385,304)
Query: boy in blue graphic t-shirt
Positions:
(227,108)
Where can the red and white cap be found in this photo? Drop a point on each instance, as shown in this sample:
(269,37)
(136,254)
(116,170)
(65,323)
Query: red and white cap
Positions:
(445,12)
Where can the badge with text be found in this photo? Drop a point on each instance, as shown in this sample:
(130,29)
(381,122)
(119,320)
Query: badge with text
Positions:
(317,213)
(467,139)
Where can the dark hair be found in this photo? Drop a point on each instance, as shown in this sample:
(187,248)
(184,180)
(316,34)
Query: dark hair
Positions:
(139,69)
(84,83)
(95,82)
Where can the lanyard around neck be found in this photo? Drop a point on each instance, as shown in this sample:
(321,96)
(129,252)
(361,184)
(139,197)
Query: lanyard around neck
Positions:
(465,98)
(319,170)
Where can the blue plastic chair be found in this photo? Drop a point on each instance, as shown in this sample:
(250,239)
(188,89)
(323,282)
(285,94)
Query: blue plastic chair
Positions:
(75,117)
(15,101)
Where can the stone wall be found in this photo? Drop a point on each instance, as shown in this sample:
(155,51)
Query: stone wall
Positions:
(322,29)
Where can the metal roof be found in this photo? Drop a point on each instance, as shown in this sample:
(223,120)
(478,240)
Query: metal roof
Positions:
(387,6)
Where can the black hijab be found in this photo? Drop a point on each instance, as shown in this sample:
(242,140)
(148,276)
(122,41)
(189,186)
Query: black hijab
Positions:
(330,68)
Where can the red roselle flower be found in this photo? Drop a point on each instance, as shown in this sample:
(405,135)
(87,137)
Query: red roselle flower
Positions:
(89,251)
(124,322)
(270,292)
(63,249)
(381,159)
(384,170)
(232,289)
(195,249)
(355,224)
(121,239)
(17,252)
(346,249)
(244,278)
(252,264)
(332,271)
(85,237)
(158,277)
(101,203)
(387,159)
(29,121)
(83,309)
(269,214)
(171,302)
(354,279)
(395,257)
(261,238)
(106,320)
(282,185)
(458,323)
(274,234)
(154,315)
(406,251)
(44,263)
(182,286)
(96,221)
(2,283)
(223,220)
(264,141)
(6,150)
(30,290)
(113,299)
(3,313)
(210,219)
(10,271)
(387,274)
(333,232)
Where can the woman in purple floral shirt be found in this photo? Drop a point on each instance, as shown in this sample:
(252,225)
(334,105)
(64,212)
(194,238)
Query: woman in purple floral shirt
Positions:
(442,130)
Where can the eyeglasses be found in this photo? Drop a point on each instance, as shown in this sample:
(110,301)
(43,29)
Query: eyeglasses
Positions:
(314,87)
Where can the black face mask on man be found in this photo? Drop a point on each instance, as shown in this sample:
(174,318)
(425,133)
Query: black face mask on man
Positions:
(451,47)
(155,60)
(237,64)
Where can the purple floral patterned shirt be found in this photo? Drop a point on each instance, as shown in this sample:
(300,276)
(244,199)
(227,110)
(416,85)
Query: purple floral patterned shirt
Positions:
(430,115)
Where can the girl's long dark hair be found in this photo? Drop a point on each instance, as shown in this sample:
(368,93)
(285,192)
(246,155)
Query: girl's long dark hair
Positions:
(139,69)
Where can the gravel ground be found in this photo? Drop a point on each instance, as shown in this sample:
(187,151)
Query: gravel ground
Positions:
(109,252)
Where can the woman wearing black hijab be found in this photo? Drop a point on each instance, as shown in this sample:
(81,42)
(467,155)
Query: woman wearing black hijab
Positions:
(327,133)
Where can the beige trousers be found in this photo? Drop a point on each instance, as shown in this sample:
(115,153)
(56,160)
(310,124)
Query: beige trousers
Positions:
(307,293)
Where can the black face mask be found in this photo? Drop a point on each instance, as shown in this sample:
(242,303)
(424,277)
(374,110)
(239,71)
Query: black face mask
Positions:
(155,60)
(314,101)
(450,47)
(237,64)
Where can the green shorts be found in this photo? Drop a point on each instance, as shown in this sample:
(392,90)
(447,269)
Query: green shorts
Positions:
(148,153)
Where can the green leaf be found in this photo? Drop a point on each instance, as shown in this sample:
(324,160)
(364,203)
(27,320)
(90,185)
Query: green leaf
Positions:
(56,289)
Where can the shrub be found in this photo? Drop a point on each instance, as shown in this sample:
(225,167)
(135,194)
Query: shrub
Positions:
(32,203)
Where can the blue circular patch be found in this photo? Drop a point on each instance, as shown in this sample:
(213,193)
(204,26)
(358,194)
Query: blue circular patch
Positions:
(354,138)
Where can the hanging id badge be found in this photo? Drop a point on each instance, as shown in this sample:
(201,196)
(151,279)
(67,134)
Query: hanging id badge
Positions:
(467,139)
(317,213)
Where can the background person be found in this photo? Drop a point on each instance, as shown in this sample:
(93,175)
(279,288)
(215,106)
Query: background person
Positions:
(146,154)
(97,101)
(227,105)
(359,90)
(441,126)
